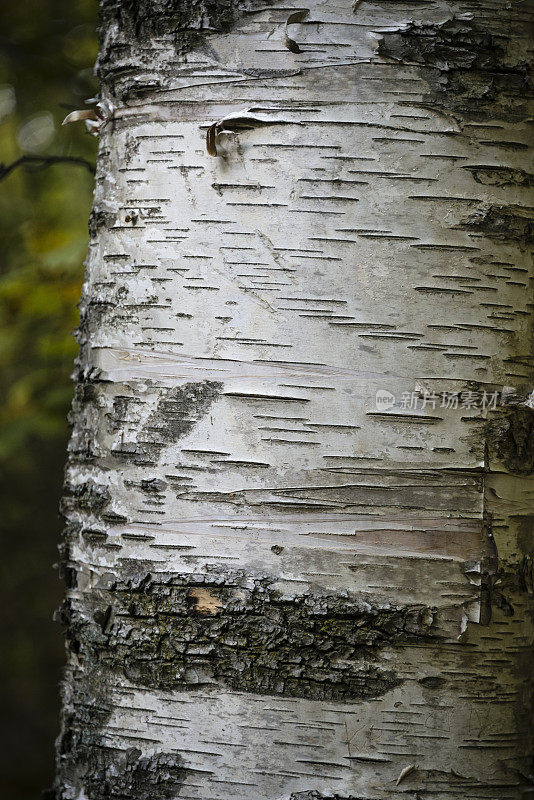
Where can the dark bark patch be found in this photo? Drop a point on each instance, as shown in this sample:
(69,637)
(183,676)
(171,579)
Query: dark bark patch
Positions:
(408,4)
(100,219)
(91,499)
(315,795)
(82,446)
(88,767)
(85,712)
(153,486)
(182,632)
(454,44)
(510,434)
(125,409)
(178,410)
(505,223)
(513,585)
(525,536)
(88,497)
(465,66)
(129,774)
(489,175)
(96,313)
(432,682)
(146,19)
(127,27)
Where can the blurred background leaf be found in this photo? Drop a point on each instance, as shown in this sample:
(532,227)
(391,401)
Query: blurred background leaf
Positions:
(47,52)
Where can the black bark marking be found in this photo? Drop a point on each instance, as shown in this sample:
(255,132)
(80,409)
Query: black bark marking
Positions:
(85,713)
(489,175)
(466,67)
(505,223)
(100,219)
(511,435)
(315,795)
(153,486)
(453,44)
(409,4)
(89,767)
(82,446)
(432,682)
(126,27)
(129,774)
(178,410)
(512,585)
(91,498)
(321,647)
(490,569)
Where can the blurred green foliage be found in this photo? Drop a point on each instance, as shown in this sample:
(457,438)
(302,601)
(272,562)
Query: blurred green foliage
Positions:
(47,51)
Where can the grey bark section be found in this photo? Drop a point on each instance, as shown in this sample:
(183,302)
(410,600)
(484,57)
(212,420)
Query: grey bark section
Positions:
(128,29)
(277,588)
(469,66)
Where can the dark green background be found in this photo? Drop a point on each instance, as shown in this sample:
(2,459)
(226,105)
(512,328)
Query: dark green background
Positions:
(47,51)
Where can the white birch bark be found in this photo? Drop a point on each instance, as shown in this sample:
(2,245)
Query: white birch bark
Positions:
(276,588)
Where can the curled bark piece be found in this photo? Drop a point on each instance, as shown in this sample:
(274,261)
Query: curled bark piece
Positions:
(232,123)
(76,116)
(405,772)
(94,118)
(210,139)
(296,16)
(375,40)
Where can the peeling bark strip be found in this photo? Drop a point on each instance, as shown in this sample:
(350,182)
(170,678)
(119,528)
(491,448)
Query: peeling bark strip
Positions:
(296,567)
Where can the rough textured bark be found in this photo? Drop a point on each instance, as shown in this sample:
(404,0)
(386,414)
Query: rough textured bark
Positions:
(277,588)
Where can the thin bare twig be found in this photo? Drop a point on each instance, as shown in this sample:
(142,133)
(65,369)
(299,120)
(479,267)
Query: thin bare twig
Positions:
(42,162)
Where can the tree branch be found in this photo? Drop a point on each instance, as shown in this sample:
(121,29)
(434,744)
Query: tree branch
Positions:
(42,162)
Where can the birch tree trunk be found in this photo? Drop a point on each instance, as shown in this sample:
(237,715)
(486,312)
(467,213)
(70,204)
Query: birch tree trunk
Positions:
(299,519)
